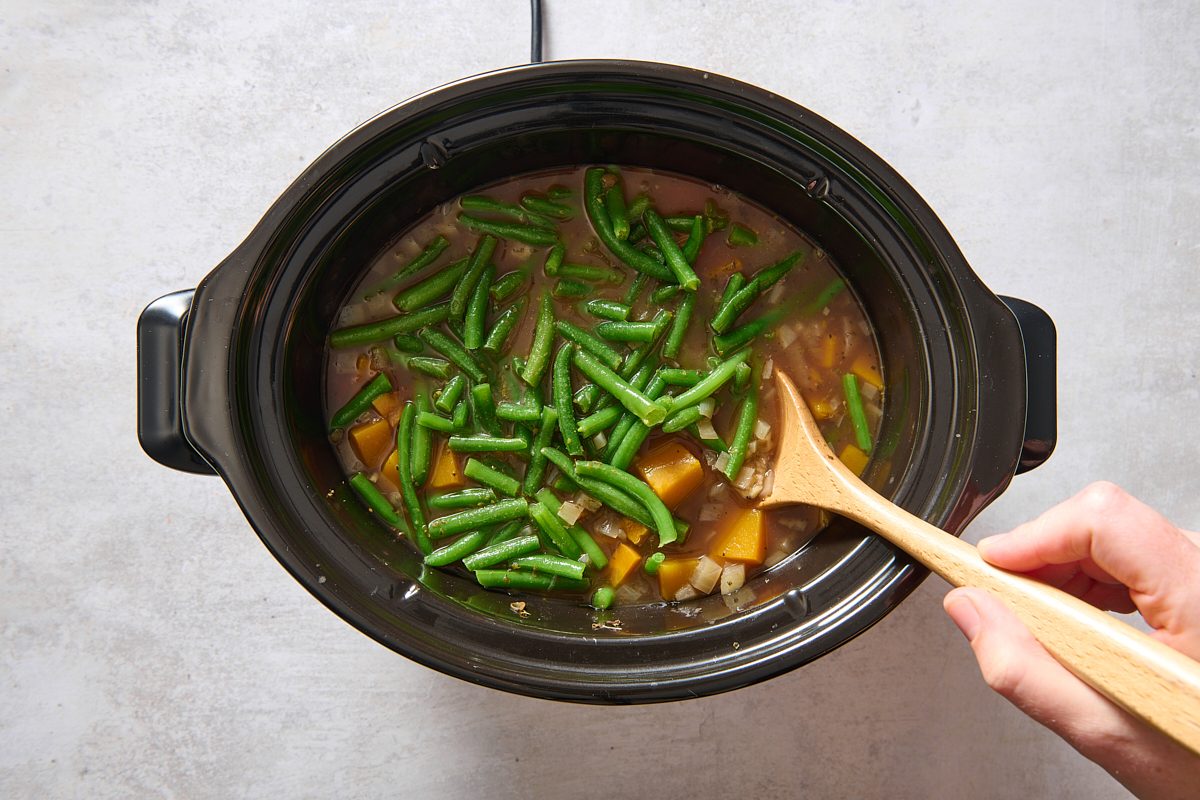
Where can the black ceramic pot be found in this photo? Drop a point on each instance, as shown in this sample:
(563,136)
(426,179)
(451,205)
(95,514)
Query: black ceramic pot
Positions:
(230,377)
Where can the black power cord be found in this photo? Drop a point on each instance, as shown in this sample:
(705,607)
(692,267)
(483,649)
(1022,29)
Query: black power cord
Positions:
(535,20)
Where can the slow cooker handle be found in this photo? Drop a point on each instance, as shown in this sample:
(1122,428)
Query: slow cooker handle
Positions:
(160,333)
(1041,396)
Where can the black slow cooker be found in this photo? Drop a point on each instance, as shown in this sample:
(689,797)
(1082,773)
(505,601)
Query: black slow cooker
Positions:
(230,374)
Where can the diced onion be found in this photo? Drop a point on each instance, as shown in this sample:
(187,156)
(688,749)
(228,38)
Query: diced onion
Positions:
(739,599)
(707,407)
(686,593)
(570,512)
(710,512)
(787,336)
(776,293)
(744,478)
(869,391)
(705,575)
(628,594)
(589,503)
(733,577)
(769,482)
(768,368)
(606,527)
(705,428)
(722,462)
(762,429)
(600,440)
(584,558)
(774,558)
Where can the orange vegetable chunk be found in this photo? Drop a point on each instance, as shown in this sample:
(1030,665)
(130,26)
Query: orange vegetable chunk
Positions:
(673,575)
(385,404)
(863,368)
(672,472)
(743,538)
(371,440)
(623,560)
(446,473)
(390,471)
(634,531)
(854,458)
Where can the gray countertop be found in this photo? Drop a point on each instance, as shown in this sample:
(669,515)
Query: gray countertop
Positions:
(150,644)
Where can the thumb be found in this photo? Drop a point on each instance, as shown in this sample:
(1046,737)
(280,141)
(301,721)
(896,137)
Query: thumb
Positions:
(1018,668)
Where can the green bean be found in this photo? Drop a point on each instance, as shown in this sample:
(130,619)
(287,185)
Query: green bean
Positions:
(509,530)
(518,579)
(528,234)
(518,412)
(479,202)
(634,363)
(625,448)
(543,340)
(858,415)
(559,192)
(537,459)
(633,331)
(427,256)
(586,396)
(743,335)
(588,341)
(680,377)
(387,328)
(670,249)
(422,444)
(717,444)
(361,401)
(607,309)
(460,415)
(477,309)
(570,289)
(407,343)
(639,381)
(548,208)
(643,407)
(742,299)
(683,316)
(678,420)
(598,215)
(560,460)
(582,538)
(741,236)
(475,518)
(664,293)
(741,377)
(484,407)
(375,501)
(433,367)
(435,287)
(602,598)
(677,223)
(549,524)
(550,565)
(591,273)
(638,206)
(711,382)
(561,395)
(464,290)
(454,352)
(457,550)
(591,425)
(508,284)
(503,327)
(640,491)
(715,219)
(463,498)
(617,499)
(482,473)
(695,240)
(735,282)
(408,489)
(433,422)
(823,298)
(743,432)
(635,289)
(450,394)
(502,551)
(618,214)
(554,259)
(486,444)
(653,562)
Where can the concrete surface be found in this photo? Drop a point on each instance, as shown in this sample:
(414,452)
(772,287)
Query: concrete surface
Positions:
(150,645)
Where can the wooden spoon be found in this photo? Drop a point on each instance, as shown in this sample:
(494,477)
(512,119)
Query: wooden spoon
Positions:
(1145,677)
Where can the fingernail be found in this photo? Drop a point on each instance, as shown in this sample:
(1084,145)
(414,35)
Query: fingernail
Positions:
(964,613)
(989,542)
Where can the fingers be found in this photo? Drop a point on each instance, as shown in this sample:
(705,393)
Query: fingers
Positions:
(1113,540)
(1019,669)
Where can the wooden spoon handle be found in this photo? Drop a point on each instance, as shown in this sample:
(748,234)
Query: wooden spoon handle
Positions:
(1138,673)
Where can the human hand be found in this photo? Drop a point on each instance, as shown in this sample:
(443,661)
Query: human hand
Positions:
(1118,554)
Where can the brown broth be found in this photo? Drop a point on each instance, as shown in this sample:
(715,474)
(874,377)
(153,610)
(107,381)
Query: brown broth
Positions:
(815,346)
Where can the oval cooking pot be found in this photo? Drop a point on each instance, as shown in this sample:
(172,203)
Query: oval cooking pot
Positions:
(231,378)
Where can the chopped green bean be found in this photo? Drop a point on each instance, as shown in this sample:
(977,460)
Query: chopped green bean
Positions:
(644,408)
(464,290)
(744,334)
(477,309)
(543,340)
(683,317)
(635,288)
(670,249)
(433,288)
(665,292)
(681,419)
(484,407)
(695,240)
(482,473)
(570,289)
(387,328)
(549,524)
(717,444)
(457,550)
(528,234)
(717,378)
(546,207)
(407,343)
(375,501)
(638,206)
(489,205)
(588,341)
(486,444)
(741,377)
(537,459)
(475,518)
(433,422)
(591,425)
(640,491)
(550,565)
(586,396)
(653,562)
(563,403)
(735,282)
(519,579)
(591,273)
(433,367)
(455,352)
(421,445)
(460,415)
(554,259)
(502,551)
(744,430)
(602,598)
(361,401)
(408,490)
(741,236)
(618,214)
(681,377)
(607,309)
(503,327)
(427,256)
(742,299)
(518,412)
(640,332)
(824,298)
(508,284)
(858,415)
(598,215)
(463,498)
